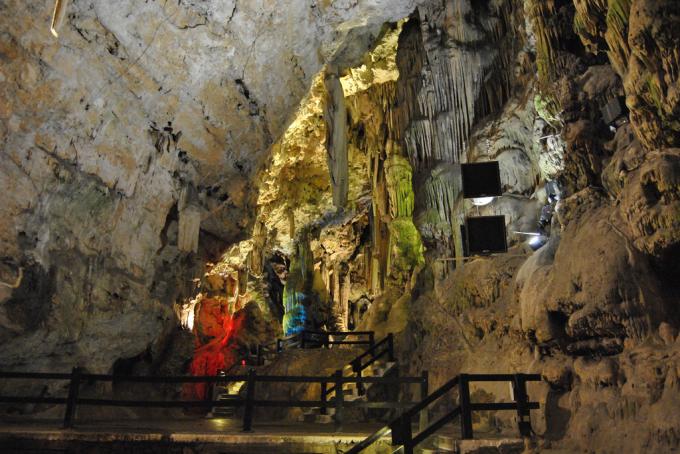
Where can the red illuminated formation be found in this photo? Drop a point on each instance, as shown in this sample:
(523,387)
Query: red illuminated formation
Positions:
(215,332)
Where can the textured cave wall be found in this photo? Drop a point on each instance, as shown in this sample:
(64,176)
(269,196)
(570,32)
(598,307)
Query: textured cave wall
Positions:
(524,82)
(594,310)
(92,172)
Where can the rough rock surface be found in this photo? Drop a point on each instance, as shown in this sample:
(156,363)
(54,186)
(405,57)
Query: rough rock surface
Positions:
(574,97)
(92,169)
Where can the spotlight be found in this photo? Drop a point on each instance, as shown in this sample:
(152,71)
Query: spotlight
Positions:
(481,201)
(536,242)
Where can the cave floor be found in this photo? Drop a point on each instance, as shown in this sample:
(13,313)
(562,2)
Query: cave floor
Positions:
(195,436)
(192,435)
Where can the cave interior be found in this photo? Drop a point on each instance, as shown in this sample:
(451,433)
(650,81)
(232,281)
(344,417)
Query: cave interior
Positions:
(286,188)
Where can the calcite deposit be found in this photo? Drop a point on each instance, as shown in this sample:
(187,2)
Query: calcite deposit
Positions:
(244,170)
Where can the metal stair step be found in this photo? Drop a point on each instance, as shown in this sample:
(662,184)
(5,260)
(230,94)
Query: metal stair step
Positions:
(352,398)
(224,411)
(445,443)
(324,419)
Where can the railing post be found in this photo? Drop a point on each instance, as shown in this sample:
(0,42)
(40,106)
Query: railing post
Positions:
(210,389)
(328,341)
(279,345)
(339,398)
(356,368)
(250,404)
(465,410)
(396,389)
(390,347)
(371,339)
(402,434)
(324,398)
(522,400)
(72,400)
(424,391)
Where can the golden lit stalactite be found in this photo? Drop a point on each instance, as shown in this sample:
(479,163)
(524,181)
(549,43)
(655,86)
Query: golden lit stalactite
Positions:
(58,16)
(335,113)
(256,257)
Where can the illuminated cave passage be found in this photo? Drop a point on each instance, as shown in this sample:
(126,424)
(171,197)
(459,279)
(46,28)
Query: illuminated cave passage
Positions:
(375,190)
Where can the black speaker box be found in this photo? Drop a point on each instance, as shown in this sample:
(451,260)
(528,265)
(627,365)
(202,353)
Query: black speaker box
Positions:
(481,179)
(485,235)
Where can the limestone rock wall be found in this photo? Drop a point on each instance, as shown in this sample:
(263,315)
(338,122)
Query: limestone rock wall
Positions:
(102,128)
(98,240)
(594,310)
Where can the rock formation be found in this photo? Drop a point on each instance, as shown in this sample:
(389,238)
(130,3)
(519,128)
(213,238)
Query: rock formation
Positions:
(252,169)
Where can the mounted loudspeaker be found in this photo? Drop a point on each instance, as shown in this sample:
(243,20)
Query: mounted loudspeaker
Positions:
(481,179)
(485,235)
(613,109)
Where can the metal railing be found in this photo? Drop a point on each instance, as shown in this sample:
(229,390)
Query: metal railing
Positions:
(309,338)
(401,427)
(249,402)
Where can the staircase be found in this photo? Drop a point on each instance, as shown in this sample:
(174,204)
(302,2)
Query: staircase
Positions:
(351,392)
(264,354)
(443,445)
(226,392)
(440,445)
(406,442)
(367,364)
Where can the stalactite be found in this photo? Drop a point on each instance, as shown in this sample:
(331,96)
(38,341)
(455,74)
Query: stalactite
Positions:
(399,185)
(189,220)
(441,96)
(617,34)
(441,194)
(547,37)
(439,102)
(255,260)
(589,23)
(336,140)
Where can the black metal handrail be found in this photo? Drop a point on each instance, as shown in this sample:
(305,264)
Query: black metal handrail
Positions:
(303,338)
(249,402)
(401,427)
(307,336)
(374,354)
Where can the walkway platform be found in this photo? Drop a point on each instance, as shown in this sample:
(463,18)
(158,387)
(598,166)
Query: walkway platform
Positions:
(185,436)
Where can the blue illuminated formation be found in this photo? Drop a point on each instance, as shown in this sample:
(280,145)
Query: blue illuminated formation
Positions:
(298,289)
(295,315)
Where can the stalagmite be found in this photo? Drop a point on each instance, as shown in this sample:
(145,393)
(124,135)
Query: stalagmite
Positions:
(341,288)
